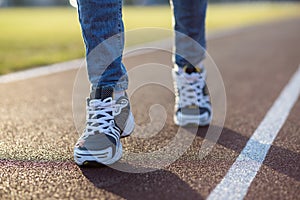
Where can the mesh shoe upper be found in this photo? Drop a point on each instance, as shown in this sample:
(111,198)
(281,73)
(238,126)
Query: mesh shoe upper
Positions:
(106,119)
(101,131)
(121,106)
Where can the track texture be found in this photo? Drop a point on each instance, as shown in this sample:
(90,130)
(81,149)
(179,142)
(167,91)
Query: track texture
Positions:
(37,133)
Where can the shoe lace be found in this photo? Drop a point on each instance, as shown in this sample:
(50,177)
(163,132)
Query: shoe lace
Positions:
(190,88)
(100,117)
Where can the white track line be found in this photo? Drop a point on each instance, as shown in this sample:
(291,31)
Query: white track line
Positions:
(239,177)
(41,71)
(75,64)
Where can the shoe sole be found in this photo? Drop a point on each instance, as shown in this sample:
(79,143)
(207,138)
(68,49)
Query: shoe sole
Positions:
(101,156)
(183,120)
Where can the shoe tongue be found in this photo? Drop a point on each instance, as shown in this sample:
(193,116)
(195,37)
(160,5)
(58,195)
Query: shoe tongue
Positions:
(189,69)
(101,93)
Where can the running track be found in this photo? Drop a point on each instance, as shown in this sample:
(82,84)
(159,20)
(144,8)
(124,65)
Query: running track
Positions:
(258,64)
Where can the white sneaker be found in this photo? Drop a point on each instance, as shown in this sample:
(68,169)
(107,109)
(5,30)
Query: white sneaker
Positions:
(107,121)
(192,104)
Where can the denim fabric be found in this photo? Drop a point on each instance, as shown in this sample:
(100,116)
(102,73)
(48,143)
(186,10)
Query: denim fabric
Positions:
(189,18)
(102,19)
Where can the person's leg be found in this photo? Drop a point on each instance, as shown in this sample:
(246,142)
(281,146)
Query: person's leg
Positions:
(102,30)
(108,109)
(192,104)
(190,42)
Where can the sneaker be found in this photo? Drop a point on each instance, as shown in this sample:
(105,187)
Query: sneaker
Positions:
(192,104)
(107,121)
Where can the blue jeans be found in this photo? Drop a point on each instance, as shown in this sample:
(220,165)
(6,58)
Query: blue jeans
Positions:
(102,19)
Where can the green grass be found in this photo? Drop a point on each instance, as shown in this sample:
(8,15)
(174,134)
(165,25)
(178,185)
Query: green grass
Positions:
(235,15)
(32,37)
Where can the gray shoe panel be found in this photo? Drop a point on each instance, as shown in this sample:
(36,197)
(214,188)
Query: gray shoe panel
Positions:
(98,142)
(121,118)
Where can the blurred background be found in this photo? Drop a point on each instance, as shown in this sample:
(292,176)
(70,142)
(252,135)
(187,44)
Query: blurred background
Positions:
(128,2)
(40,32)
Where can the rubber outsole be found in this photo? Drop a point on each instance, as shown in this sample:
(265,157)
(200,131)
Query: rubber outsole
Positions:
(104,156)
(183,120)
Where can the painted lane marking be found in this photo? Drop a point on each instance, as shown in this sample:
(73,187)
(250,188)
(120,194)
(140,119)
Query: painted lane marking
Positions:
(238,179)
(41,71)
